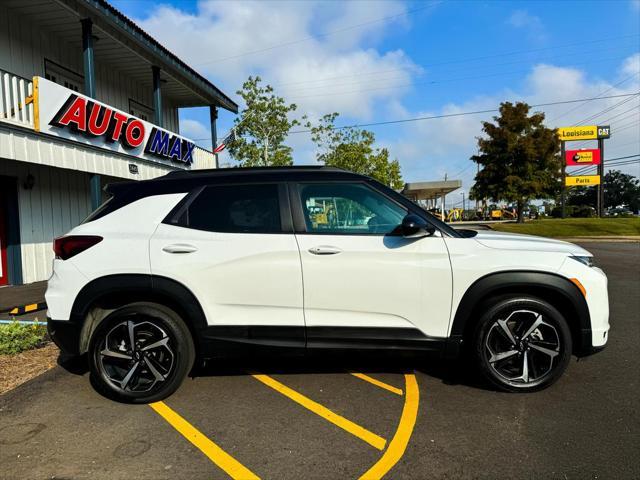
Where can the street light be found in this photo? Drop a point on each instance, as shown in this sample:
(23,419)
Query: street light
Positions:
(463,209)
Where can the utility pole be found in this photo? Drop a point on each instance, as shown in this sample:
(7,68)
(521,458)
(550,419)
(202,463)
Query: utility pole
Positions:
(463,205)
(564,175)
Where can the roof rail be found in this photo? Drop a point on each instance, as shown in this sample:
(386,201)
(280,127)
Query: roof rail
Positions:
(209,171)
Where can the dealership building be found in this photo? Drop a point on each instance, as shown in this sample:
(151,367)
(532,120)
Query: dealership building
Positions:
(86,98)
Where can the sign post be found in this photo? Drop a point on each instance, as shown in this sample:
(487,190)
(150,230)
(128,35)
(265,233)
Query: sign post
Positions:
(564,176)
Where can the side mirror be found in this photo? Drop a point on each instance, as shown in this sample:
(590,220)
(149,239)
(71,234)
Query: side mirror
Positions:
(414,226)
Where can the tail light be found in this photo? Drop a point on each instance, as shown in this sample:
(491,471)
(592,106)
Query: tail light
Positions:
(67,247)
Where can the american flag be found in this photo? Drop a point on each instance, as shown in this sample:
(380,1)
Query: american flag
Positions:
(225,141)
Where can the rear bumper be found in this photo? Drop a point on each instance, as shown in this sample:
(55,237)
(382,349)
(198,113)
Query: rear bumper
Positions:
(65,334)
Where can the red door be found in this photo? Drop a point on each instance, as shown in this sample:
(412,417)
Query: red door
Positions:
(4,273)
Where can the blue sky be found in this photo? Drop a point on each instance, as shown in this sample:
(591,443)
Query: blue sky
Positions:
(387,60)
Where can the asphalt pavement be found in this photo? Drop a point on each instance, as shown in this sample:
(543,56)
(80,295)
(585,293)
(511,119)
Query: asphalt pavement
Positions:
(346,417)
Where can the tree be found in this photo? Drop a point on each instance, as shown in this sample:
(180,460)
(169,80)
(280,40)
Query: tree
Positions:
(519,157)
(619,189)
(262,127)
(352,149)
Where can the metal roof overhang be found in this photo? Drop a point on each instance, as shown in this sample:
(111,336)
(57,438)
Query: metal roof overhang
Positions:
(124,46)
(430,190)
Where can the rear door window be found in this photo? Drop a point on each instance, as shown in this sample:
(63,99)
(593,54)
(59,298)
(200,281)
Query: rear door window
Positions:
(235,209)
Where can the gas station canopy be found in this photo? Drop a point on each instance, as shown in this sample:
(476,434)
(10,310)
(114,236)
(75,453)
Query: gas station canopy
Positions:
(430,190)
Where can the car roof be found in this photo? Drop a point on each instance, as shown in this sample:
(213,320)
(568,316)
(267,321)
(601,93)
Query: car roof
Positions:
(185,180)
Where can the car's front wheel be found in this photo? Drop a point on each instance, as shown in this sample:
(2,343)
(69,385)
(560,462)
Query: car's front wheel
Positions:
(140,353)
(522,344)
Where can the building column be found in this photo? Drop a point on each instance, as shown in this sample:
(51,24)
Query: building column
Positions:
(213,117)
(87,58)
(90,91)
(157,96)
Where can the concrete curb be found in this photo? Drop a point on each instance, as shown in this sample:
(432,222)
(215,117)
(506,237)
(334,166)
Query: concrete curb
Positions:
(22,309)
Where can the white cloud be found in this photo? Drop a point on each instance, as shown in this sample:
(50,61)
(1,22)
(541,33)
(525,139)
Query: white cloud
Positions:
(195,130)
(323,41)
(530,23)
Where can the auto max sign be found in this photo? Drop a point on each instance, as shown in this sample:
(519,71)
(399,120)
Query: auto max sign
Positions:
(65,113)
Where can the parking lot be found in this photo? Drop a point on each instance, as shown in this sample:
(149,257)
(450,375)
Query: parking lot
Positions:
(347,417)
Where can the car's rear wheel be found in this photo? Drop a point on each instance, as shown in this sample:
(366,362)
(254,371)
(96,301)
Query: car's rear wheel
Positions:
(522,344)
(140,353)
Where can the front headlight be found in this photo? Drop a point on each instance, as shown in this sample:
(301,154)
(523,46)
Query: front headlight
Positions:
(588,261)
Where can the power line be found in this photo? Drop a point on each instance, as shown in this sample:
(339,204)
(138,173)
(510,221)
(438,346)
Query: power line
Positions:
(606,110)
(622,113)
(610,162)
(460,114)
(618,147)
(313,84)
(601,93)
(428,82)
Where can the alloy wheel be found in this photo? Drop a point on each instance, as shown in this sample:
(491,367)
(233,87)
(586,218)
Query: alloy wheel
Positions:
(135,355)
(522,348)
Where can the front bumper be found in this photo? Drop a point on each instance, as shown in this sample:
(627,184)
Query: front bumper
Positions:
(65,334)
(595,283)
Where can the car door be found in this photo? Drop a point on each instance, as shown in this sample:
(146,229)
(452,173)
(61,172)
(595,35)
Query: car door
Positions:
(233,246)
(364,283)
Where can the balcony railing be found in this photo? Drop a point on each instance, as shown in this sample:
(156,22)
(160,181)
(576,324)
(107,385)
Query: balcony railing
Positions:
(15,99)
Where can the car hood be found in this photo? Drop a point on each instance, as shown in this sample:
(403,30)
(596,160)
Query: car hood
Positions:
(515,241)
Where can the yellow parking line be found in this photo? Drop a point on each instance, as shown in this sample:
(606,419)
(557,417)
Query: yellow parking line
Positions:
(386,386)
(218,456)
(338,420)
(400,439)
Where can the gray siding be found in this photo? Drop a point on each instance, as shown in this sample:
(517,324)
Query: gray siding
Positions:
(58,202)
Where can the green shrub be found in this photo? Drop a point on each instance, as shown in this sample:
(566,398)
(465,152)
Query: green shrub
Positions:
(16,337)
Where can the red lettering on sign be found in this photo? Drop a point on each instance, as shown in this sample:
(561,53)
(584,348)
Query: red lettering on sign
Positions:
(119,119)
(98,124)
(133,134)
(75,115)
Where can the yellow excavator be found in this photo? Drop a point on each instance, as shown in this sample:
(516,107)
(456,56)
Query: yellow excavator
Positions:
(455,215)
(501,213)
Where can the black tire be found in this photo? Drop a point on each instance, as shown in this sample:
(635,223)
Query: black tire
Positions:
(546,350)
(162,356)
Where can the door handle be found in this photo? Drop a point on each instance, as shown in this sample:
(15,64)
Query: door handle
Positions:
(324,250)
(179,248)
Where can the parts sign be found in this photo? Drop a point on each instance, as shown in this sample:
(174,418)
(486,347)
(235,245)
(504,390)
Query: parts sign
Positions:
(65,113)
(582,180)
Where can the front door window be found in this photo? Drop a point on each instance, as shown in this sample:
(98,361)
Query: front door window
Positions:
(349,209)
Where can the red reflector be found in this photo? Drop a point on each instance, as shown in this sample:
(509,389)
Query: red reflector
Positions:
(67,247)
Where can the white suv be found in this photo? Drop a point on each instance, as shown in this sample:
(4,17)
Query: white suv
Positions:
(205,263)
